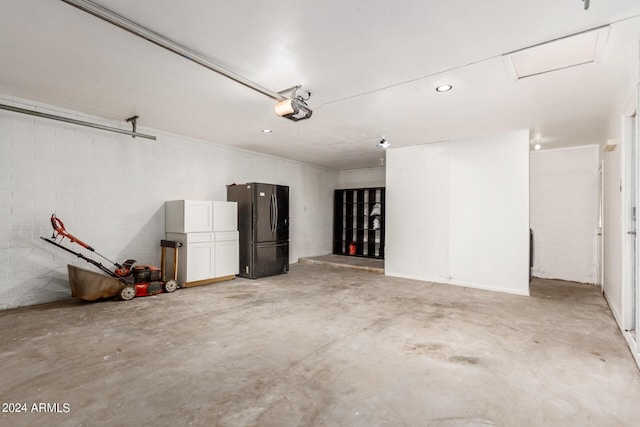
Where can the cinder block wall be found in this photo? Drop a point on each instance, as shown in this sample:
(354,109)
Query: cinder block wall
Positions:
(564,213)
(109,190)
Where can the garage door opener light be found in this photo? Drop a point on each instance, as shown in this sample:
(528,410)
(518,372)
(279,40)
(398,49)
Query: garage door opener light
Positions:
(295,107)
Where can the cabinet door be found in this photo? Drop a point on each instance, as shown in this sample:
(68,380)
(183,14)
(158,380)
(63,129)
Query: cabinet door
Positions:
(198,216)
(226,258)
(225,216)
(200,261)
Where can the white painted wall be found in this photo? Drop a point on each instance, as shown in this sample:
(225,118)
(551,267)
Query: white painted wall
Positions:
(110,189)
(612,229)
(458,212)
(618,283)
(362,178)
(564,213)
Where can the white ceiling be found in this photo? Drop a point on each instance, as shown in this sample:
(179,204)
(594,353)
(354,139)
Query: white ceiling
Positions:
(371,65)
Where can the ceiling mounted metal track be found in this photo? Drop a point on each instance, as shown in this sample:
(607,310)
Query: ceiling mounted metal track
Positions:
(159,40)
(74,121)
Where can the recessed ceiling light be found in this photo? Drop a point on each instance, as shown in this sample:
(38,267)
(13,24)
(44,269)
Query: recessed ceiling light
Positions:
(266,131)
(444,88)
(537,146)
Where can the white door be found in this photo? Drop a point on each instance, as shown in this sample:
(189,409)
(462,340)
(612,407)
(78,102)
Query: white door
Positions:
(631,245)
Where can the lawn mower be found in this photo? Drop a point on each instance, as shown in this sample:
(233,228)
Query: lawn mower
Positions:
(126,281)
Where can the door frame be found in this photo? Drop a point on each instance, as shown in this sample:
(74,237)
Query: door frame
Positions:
(630,288)
(601,226)
(636,293)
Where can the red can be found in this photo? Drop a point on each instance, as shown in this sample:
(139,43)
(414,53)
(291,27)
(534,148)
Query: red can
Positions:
(352,248)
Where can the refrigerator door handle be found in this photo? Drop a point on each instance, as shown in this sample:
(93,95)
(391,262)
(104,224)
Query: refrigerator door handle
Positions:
(270,213)
(275,217)
(273,212)
(271,244)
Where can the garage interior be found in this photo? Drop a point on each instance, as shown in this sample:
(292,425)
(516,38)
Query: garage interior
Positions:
(496,284)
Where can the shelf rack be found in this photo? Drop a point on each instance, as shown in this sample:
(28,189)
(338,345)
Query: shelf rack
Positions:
(358,222)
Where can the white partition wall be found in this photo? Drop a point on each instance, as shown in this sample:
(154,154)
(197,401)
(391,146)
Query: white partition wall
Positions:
(489,212)
(417,210)
(458,212)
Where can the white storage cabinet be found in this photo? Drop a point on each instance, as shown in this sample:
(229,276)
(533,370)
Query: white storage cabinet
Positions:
(206,256)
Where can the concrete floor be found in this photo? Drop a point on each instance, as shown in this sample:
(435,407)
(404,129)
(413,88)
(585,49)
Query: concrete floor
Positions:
(323,346)
(350,262)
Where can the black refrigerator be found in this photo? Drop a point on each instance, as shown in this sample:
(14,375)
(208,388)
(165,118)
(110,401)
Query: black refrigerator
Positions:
(263,225)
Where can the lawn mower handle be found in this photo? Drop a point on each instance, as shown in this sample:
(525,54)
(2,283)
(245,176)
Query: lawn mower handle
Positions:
(59,230)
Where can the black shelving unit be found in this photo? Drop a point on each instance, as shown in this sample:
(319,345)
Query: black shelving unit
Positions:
(358,222)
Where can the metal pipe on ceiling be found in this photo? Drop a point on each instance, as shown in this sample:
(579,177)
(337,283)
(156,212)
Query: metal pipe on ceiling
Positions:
(74,121)
(159,40)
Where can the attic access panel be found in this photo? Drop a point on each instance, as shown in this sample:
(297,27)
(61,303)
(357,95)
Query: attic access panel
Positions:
(577,49)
